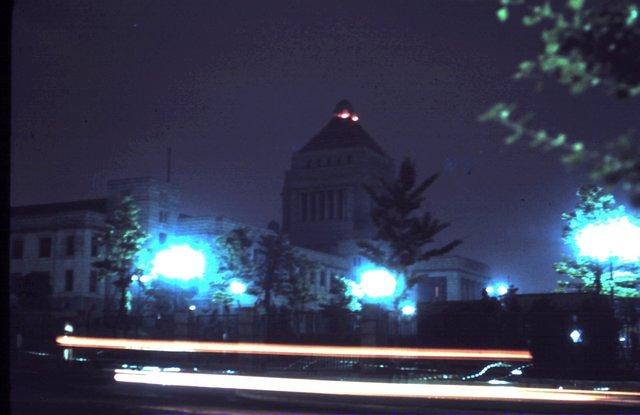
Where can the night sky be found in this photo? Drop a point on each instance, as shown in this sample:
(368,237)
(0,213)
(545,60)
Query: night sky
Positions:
(101,89)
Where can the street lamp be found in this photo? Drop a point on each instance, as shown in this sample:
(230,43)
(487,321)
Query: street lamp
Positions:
(408,310)
(615,239)
(378,283)
(497,290)
(237,287)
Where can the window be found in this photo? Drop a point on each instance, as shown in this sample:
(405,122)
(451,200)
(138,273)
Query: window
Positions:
(164,216)
(17,249)
(44,250)
(93,281)
(162,237)
(436,288)
(330,210)
(94,245)
(70,245)
(312,203)
(68,280)
(340,204)
(303,206)
(321,206)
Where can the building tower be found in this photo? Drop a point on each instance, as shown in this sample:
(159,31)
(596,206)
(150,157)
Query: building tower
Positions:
(324,203)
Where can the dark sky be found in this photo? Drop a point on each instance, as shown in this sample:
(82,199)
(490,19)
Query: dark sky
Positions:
(100,89)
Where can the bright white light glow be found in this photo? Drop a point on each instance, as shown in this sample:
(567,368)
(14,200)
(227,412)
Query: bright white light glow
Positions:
(354,117)
(622,339)
(344,115)
(68,328)
(291,349)
(179,262)
(378,283)
(615,238)
(377,389)
(576,336)
(237,287)
(490,290)
(502,289)
(408,310)
(145,279)
(192,307)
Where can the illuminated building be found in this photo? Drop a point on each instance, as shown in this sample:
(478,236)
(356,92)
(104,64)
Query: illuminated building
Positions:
(324,203)
(325,206)
(325,211)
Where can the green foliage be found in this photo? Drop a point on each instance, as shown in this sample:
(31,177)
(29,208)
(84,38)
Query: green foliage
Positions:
(584,45)
(296,289)
(235,261)
(121,242)
(166,297)
(277,271)
(585,275)
(339,309)
(616,164)
(402,232)
(274,258)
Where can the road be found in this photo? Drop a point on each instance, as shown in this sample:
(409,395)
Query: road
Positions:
(41,386)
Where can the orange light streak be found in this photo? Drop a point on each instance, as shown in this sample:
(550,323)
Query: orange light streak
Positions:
(291,349)
(376,389)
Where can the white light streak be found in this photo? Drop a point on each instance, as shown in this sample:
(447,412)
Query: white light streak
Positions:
(376,389)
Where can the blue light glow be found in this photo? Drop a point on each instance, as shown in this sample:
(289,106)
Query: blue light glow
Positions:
(408,310)
(497,289)
(378,283)
(616,237)
(374,284)
(237,287)
(502,289)
(179,262)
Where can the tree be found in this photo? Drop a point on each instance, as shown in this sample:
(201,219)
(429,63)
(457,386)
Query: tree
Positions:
(121,242)
(402,232)
(338,309)
(297,291)
(583,47)
(274,260)
(585,274)
(235,261)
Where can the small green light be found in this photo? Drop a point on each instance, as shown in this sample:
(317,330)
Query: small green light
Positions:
(633,15)
(503,14)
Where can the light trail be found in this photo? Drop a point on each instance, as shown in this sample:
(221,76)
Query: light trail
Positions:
(376,389)
(291,349)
